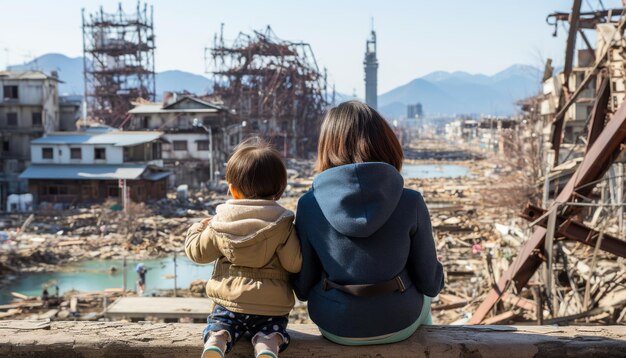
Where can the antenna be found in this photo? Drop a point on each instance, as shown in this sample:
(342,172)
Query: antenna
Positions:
(222,34)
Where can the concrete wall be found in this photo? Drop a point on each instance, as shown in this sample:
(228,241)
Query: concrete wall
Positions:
(24,116)
(192,151)
(29,91)
(118,339)
(61,154)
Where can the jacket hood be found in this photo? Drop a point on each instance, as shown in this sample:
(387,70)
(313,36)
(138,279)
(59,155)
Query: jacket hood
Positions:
(249,231)
(242,219)
(357,199)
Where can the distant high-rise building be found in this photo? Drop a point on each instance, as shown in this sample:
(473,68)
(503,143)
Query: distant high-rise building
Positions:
(371,71)
(414,110)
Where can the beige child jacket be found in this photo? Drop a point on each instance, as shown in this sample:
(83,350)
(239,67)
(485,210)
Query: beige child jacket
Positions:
(256,247)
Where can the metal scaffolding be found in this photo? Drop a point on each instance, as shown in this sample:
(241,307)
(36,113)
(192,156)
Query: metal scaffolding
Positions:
(601,76)
(118,52)
(274,87)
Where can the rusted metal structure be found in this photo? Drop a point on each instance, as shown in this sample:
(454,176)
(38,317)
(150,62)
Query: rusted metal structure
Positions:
(273,86)
(605,138)
(118,52)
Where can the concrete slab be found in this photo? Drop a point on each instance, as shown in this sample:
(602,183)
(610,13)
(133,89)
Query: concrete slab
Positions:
(182,340)
(161,307)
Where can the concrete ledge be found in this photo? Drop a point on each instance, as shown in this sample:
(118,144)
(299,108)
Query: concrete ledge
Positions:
(118,339)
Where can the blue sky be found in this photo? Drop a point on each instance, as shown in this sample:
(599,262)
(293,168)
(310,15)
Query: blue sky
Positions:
(414,37)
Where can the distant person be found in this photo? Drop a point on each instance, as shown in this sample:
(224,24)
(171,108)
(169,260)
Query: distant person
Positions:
(45,296)
(255,244)
(369,264)
(103,230)
(141,281)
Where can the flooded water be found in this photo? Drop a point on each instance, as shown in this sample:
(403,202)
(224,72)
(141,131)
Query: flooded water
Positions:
(95,276)
(425,171)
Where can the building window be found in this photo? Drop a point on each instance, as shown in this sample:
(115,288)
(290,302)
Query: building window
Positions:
(180,145)
(156,150)
(57,190)
(6,146)
(47,153)
(36,119)
(10,92)
(12,119)
(76,153)
(203,145)
(99,153)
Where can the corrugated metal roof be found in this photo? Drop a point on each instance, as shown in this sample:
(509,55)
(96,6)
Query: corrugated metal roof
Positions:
(173,106)
(156,109)
(116,138)
(93,172)
(84,172)
(25,75)
(154,176)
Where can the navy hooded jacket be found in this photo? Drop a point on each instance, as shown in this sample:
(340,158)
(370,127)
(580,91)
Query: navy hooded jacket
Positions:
(358,225)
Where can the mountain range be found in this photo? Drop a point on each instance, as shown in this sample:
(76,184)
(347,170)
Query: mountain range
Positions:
(71,73)
(444,93)
(464,93)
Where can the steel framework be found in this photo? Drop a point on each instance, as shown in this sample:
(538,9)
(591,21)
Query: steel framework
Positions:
(274,87)
(118,52)
(606,133)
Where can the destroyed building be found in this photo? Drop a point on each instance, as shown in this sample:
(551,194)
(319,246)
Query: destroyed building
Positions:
(30,107)
(192,152)
(571,265)
(89,166)
(118,53)
(489,133)
(273,87)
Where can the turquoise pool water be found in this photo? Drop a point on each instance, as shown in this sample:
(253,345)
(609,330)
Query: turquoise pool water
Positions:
(425,171)
(95,276)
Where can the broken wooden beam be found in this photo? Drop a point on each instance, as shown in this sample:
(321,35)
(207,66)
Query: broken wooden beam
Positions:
(594,165)
(521,302)
(500,318)
(573,230)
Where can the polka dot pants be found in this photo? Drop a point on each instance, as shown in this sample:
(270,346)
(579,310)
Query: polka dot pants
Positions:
(238,324)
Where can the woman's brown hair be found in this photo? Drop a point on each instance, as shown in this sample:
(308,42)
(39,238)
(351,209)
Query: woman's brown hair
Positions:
(354,132)
(256,170)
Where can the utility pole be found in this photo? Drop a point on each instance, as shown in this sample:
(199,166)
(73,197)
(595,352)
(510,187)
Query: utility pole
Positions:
(209,130)
(175,275)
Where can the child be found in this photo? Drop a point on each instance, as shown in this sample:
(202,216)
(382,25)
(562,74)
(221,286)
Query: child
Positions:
(254,242)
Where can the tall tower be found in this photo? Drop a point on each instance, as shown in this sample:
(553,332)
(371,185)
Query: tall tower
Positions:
(371,71)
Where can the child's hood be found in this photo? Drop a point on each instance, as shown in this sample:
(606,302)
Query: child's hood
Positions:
(248,231)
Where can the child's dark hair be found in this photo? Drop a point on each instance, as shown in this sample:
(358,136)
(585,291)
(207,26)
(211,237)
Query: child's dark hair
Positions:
(257,171)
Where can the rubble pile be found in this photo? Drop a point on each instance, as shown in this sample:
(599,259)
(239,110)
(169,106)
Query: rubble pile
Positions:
(72,305)
(106,231)
(476,221)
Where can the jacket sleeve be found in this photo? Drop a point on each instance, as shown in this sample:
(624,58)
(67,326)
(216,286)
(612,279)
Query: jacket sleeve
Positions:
(289,252)
(311,271)
(423,267)
(200,246)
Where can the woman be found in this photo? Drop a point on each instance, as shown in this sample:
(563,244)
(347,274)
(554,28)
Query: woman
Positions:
(369,260)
